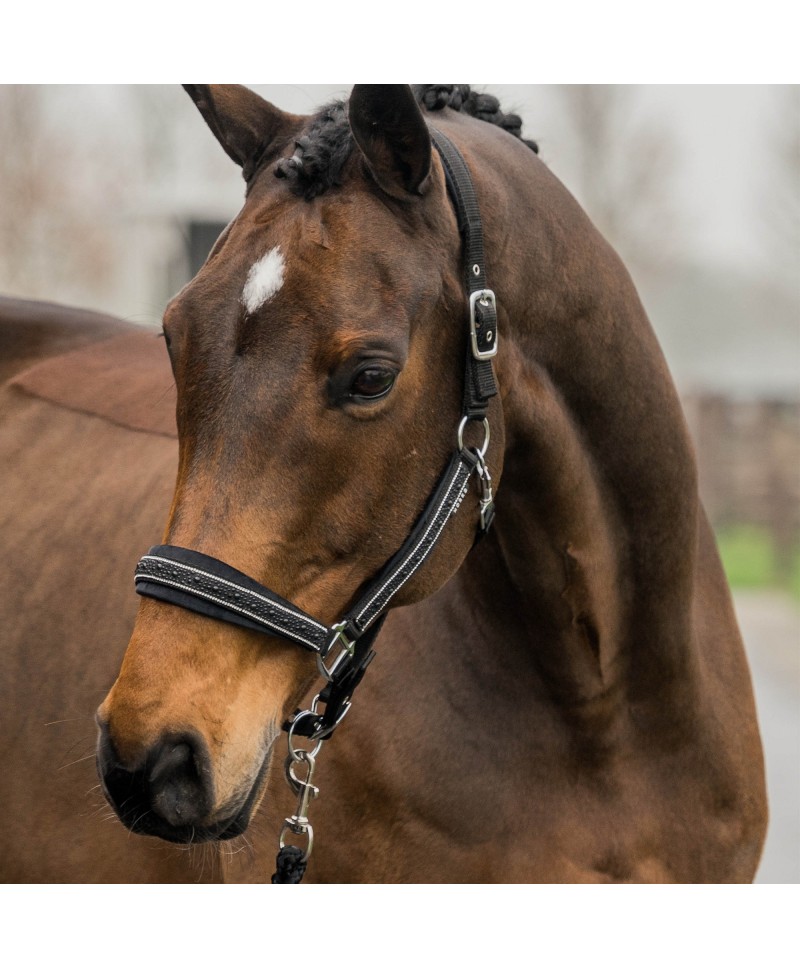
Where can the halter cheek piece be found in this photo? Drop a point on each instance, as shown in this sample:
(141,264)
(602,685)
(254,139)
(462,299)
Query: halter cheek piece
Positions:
(207,585)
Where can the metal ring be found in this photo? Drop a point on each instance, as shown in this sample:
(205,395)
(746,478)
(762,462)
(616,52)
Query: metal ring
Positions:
(302,757)
(325,733)
(481,452)
(300,753)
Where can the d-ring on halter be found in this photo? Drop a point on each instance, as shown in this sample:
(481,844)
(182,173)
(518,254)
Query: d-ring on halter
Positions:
(207,585)
(480,451)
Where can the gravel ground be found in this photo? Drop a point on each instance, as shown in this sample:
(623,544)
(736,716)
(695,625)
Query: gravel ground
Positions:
(770,624)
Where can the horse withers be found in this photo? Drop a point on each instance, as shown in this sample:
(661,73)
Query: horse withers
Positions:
(565,699)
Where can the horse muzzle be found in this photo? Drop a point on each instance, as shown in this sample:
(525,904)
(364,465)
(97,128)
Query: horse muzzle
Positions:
(171,794)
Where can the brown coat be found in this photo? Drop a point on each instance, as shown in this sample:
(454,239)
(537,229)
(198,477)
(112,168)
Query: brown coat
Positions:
(569,701)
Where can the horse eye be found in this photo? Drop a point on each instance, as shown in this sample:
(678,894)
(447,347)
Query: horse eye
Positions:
(372,382)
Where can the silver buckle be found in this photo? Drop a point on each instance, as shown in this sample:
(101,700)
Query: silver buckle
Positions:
(347,647)
(486,298)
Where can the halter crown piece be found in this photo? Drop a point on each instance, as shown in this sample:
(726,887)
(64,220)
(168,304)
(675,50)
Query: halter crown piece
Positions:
(207,585)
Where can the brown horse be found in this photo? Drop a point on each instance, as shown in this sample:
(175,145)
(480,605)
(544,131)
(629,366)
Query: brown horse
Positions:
(564,700)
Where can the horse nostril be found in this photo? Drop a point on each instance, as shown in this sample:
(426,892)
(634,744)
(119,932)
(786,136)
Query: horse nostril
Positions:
(168,759)
(171,790)
(176,779)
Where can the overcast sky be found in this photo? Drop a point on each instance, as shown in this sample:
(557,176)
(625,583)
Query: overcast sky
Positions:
(722,138)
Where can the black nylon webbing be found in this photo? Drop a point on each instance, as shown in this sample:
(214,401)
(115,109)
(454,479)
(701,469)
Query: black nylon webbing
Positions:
(479,382)
(468,214)
(419,544)
(211,587)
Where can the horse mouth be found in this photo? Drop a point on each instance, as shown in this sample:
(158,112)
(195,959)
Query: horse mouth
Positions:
(150,825)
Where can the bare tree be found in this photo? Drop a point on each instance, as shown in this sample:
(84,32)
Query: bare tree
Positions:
(53,244)
(781,195)
(621,168)
(780,200)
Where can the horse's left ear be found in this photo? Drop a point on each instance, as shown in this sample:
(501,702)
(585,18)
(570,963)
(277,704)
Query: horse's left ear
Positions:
(390,131)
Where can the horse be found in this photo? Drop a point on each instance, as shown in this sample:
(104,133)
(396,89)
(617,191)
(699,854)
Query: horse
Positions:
(559,691)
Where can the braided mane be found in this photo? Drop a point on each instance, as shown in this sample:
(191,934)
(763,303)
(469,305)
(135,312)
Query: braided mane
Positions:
(323,149)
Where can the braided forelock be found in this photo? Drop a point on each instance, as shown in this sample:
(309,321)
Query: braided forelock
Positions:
(320,152)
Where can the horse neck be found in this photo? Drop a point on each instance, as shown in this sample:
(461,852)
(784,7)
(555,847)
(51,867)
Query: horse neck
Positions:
(596,529)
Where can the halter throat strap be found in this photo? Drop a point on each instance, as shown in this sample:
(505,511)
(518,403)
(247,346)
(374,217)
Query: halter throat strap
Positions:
(208,586)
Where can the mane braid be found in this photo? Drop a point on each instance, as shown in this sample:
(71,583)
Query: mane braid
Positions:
(461,97)
(323,149)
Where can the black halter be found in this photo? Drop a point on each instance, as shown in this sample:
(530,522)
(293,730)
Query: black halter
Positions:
(344,650)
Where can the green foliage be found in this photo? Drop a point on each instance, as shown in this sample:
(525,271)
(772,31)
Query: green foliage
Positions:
(748,555)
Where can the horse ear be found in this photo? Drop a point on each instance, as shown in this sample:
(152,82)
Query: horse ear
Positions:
(243,123)
(390,131)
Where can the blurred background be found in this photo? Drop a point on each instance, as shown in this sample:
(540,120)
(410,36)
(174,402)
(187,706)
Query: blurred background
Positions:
(111,197)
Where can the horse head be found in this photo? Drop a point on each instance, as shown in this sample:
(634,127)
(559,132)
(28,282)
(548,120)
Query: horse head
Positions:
(318,358)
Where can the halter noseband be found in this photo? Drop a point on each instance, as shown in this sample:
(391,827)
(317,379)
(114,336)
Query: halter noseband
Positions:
(210,587)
